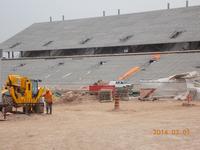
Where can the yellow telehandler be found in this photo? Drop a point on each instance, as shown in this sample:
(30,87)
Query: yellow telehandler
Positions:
(20,91)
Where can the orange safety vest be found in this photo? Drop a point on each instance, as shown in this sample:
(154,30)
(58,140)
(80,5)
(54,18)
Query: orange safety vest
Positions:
(48,97)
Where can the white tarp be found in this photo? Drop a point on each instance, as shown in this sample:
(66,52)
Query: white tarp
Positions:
(176,86)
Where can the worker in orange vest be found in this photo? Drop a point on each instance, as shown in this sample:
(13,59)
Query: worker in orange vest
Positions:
(49,101)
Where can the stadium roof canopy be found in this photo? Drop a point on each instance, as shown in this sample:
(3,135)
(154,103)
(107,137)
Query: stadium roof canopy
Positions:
(154,27)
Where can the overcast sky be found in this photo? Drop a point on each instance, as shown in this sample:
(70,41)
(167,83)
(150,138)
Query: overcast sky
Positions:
(16,15)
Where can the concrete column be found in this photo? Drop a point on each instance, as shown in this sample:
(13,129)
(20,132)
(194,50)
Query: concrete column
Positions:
(118,11)
(168,5)
(21,54)
(12,54)
(8,54)
(187,3)
(104,13)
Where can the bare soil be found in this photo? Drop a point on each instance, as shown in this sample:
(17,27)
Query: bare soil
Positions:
(91,125)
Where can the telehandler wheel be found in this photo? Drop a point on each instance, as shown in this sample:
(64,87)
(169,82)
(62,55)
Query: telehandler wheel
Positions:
(7,100)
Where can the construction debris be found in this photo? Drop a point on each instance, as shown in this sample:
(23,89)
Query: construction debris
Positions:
(175,86)
(75,97)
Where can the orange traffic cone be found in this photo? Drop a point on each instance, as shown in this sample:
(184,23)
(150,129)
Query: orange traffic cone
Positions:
(116,106)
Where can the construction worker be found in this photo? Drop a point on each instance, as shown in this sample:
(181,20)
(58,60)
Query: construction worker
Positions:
(49,101)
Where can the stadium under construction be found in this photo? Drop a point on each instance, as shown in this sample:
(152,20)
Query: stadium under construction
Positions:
(76,53)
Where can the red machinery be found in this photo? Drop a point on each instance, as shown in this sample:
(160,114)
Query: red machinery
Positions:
(94,89)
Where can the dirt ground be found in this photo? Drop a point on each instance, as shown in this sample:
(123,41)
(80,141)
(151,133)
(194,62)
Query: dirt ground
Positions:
(91,125)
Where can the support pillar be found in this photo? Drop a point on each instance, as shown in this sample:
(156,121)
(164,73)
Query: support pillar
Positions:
(9,55)
(187,3)
(21,54)
(13,54)
(118,11)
